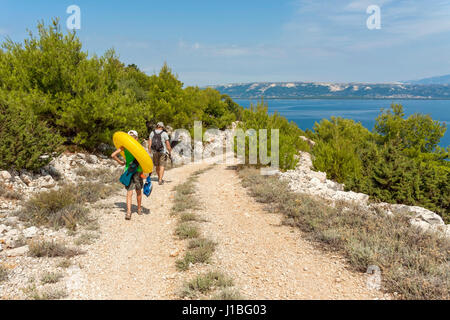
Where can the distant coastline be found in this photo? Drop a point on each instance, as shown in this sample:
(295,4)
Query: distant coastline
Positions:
(333,98)
(341,91)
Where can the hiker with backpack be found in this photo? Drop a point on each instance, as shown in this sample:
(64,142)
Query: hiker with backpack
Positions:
(136,181)
(159,144)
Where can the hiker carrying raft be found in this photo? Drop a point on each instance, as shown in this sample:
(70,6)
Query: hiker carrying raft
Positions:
(136,181)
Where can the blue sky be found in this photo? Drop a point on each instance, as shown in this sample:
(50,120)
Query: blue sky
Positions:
(216,42)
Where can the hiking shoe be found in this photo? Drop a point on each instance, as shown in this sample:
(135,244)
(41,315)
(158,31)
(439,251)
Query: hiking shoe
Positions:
(128,216)
(161,182)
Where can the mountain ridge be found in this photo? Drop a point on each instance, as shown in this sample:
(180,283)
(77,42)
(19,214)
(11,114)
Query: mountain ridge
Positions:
(361,90)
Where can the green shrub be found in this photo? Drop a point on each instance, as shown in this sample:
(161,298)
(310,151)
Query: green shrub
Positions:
(25,142)
(256,118)
(399,162)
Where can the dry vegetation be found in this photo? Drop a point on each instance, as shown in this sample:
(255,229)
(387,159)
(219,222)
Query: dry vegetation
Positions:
(3,273)
(8,193)
(64,207)
(199,250)
(205,283)
(413,264)
(44,248)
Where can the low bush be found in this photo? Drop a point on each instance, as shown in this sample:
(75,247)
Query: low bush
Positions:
(228,294)
(204,283)
(86,239)
(9,194)
(51,277)
(200,253)
(43,248)
(3,273)
(63,207)
(187,230)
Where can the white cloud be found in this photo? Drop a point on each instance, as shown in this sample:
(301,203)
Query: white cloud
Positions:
(342,24)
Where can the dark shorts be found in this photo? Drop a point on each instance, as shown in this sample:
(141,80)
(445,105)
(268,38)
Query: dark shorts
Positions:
(160,159)
(137,183)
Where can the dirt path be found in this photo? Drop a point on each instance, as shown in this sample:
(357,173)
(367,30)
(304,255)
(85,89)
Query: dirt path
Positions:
(132,259)
(266,260)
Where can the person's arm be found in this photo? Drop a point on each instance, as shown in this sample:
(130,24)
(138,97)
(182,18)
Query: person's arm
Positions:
(150,142)
(115,154)
(168,146)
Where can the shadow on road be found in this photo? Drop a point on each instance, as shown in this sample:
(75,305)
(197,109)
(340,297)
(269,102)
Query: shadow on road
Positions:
(123,206)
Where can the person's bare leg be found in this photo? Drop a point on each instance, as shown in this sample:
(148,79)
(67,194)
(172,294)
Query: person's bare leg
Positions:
(139,201)
(129,199)
(158,172)
(161,169)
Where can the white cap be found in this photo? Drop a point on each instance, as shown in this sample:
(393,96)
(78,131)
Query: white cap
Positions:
(160,124)
(133,133)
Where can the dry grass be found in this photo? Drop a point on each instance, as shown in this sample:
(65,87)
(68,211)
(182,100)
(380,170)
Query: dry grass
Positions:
(196,254)
(199,250)
(49,294)
(187,230)
(9,194)
(414,264)
(63,207)
(43,248)
(228,294)
(3,273)
(103,175)
(86,239)
(205,283)
(66,263)
(188,216)
(51,277)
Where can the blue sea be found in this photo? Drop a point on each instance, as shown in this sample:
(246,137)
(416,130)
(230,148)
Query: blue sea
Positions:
(306,112)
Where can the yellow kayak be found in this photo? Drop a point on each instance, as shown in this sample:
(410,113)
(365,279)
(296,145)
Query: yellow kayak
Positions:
(122,139)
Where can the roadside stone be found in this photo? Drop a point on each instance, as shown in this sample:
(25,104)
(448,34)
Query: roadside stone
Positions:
(26,178)
(309,141)
(5,175)
(44,182)
(12,220)
(20,251)
(3,229)
(30,232)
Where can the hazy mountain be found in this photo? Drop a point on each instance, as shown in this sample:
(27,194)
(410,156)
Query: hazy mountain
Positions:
(433,80)
(334,90)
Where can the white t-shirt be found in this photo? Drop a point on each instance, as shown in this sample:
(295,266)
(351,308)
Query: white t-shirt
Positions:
(164,138)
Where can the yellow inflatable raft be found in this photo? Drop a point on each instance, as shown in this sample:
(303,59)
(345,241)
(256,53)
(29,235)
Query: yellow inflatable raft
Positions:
(122,139)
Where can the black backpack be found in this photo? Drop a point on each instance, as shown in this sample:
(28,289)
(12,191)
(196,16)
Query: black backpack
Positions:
(157,144)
